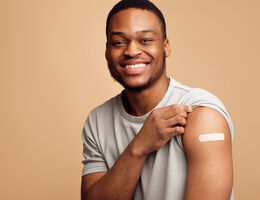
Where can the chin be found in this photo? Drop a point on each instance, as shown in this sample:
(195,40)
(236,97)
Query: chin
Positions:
(137,87)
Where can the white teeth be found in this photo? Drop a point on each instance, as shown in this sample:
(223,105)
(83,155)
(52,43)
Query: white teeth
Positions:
(135,66)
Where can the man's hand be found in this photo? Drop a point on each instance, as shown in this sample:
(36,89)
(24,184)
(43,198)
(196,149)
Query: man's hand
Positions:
(160,126)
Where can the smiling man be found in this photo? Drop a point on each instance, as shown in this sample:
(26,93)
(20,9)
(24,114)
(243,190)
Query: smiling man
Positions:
(158,139)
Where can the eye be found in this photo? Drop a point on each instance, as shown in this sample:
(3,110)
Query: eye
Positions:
(118,43)
(146,41)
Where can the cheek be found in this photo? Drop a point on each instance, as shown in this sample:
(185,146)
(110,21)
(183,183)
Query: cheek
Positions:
(113,55)
(156,51)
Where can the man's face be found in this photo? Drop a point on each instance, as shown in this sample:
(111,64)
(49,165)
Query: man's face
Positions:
(136,49)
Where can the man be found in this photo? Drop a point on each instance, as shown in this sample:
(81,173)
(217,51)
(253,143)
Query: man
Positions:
(158,139)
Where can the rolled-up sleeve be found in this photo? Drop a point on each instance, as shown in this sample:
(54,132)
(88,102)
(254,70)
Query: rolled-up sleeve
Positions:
(200,97)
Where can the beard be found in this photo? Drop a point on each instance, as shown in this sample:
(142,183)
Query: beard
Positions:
(140,88)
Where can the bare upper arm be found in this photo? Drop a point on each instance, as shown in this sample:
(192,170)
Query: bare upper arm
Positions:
(88,180)
(210,172)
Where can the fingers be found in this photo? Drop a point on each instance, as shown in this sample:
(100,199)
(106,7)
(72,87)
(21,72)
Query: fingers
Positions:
(175,121)
(188,108)
(171,132)
(162,124)
(175,109)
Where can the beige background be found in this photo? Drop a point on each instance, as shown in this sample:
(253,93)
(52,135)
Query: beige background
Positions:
(53,71)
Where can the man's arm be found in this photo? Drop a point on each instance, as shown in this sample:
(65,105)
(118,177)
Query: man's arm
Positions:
(121,180)
(210,171)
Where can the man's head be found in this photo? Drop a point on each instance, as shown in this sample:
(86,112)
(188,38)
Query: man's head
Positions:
(136,44)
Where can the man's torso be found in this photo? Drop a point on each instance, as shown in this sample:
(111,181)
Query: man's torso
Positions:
(109,129)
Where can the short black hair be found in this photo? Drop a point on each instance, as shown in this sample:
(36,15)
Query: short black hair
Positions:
(142,4)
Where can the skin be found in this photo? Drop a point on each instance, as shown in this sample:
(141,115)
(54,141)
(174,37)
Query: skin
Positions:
(135,36)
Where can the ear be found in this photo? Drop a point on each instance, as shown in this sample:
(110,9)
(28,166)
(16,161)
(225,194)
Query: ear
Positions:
(106,52)
(167,48)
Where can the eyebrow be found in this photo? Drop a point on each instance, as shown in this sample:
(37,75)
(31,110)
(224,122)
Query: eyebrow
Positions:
(138,32)
(146,31)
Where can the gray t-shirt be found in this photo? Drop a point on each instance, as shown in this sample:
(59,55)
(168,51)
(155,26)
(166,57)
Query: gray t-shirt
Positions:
(109,129)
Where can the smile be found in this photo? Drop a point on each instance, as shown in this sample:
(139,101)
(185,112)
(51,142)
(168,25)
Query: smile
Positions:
(134,68)
(139,65)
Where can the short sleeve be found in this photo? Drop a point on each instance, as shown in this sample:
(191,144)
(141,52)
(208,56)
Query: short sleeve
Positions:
(199,97)
(94,160)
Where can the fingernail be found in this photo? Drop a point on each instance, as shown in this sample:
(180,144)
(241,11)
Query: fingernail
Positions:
(190,108)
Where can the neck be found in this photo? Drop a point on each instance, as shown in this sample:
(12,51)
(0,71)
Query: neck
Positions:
(140,103)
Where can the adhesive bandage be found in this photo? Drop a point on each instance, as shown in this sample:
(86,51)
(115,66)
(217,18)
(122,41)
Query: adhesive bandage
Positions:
(211,137)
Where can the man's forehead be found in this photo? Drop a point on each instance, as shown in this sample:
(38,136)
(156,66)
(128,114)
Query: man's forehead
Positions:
(138,20)
(139,32)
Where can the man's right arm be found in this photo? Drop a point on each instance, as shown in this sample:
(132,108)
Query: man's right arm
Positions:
(121,180)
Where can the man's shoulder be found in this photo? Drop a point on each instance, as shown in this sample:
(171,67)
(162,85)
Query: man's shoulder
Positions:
(194,96)
(198,97)
(105,108)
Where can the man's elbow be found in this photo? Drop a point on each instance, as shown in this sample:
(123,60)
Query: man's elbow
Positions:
(223,188)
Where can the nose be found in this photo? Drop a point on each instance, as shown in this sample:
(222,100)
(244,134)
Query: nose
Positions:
(132,49)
